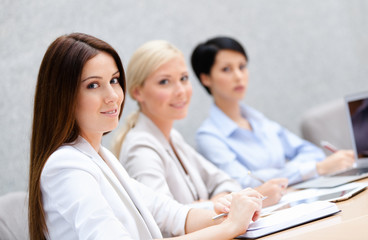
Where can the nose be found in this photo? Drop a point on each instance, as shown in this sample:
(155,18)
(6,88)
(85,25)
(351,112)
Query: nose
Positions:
(179,88)
(111,95)
(238,74)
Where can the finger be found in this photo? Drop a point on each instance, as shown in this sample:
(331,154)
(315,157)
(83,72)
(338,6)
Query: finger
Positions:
(251,193)
(220,208)
(256,216)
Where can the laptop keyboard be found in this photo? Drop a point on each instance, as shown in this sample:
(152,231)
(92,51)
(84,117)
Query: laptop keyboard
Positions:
(353,172)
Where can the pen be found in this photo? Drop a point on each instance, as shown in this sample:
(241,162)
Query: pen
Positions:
(225,214)
(255,177)
(328,146)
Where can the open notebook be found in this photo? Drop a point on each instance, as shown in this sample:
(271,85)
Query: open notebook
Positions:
(290,217)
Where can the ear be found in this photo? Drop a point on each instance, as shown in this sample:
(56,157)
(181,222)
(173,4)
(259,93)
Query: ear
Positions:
(137,94)
(205,79)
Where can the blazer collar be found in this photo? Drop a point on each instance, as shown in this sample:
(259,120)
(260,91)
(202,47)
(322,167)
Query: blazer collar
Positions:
(145,124)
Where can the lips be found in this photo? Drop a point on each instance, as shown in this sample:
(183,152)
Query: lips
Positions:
(111,112)
(179,105)
(239,88)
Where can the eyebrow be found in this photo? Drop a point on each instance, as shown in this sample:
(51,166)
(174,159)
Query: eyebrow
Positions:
(169,75)
(98,76)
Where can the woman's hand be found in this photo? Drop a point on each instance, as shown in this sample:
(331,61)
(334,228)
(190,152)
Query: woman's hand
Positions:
(274,189)
(245,206)
(222,204)
(337,161)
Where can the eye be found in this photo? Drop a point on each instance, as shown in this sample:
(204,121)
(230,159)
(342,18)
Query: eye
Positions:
(92,86)
(114,80)
(184,78)
(243,66)
(226,69)
(163,82)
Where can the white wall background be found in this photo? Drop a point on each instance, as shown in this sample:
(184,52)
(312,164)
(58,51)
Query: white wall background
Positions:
(302,53)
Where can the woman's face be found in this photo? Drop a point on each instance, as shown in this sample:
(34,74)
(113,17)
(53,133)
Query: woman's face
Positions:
(166,93)
(100,96)
(228,78)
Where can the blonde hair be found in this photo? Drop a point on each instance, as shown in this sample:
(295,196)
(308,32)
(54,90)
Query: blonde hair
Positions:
(145,60)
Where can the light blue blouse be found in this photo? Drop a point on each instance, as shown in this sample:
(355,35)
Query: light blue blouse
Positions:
(268,151)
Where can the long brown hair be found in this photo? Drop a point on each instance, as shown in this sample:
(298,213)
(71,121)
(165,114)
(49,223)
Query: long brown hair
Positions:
(54,120)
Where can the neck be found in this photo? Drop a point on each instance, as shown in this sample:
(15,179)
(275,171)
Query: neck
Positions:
(165,125)
(165,128)
(231,109)
(94,140)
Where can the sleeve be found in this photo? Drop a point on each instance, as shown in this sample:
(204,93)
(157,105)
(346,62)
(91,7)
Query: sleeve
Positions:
(216,151)
(298,156)
(301,155)
(143,163)
(169,215)
(300,164)
(74,202)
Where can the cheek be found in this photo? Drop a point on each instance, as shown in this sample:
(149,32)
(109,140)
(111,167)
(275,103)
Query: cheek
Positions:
(121,95)
(246,76)
(81,113)
(159,97)
(86,106)
(189,91)
(221,83)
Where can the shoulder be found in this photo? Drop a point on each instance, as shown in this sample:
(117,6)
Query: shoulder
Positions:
(67,157)
(252,113)
(138,137)
(208,126)
(139,144)
(260,119)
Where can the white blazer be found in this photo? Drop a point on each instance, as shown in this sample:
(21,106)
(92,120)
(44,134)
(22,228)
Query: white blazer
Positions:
(85,197)
(148,157)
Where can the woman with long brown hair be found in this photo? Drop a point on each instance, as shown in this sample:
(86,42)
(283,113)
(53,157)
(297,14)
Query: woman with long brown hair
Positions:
(77,188)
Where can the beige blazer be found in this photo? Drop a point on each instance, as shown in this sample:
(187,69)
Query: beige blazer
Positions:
(148,157)
(85,197)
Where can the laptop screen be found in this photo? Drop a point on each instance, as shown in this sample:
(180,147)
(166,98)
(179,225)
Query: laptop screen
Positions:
(358,118)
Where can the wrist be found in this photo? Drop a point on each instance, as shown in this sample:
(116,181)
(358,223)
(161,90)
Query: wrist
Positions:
(320,168)
(232,228)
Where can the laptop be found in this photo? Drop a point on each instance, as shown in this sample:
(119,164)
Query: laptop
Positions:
(357,113)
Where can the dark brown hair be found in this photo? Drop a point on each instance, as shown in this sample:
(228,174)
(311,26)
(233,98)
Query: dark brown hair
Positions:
(54,120)
(204,55)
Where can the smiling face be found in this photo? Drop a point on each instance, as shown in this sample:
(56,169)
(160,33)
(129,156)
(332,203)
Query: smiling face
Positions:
(165,94)
(228,78)
(99,97)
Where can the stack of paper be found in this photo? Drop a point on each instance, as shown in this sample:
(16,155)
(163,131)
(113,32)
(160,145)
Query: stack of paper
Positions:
(290,217)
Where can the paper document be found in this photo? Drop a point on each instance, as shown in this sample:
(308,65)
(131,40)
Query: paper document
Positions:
(290,217)
(311,195)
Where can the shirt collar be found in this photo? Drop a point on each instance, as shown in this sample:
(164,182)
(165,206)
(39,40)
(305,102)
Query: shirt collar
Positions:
(226,125)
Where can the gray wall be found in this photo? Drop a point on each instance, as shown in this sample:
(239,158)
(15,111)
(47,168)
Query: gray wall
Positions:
(302,53)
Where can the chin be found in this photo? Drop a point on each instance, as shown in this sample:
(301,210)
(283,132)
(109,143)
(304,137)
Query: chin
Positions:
(111,127)
(180,117)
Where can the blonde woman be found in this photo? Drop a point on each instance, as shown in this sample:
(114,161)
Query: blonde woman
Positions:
(150,149)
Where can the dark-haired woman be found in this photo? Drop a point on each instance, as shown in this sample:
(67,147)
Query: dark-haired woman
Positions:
(239,139)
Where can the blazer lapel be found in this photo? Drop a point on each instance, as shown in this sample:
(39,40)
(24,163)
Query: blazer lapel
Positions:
(119,179)
(126,182)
